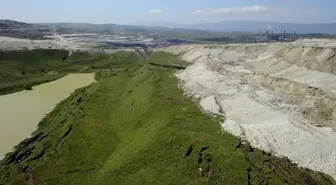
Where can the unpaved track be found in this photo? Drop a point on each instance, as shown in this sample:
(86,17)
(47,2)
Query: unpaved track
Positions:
(280,96)
(21,112)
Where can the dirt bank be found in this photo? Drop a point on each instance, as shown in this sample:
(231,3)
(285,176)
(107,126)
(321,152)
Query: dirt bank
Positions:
(280,97)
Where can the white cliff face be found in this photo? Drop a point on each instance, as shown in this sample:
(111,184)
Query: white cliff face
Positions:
(280,96)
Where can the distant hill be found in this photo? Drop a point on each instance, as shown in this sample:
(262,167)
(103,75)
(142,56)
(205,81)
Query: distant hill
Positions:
(170,30)
(80,25)
(9,24)
(100,27)
(28,31)
(255,26)
(224,26)
(326,28)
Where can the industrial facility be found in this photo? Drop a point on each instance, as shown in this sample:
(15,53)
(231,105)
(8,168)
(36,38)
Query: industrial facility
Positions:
(270,36)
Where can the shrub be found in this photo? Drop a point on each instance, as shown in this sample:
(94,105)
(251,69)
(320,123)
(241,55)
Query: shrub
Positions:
(28,87)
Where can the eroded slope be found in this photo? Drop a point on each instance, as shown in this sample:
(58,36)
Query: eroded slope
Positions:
(280,97)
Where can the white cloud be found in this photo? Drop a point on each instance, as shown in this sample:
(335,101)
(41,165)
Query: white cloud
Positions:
(222,10)
(244,9)
(254,8)
(156,11)
(198,12)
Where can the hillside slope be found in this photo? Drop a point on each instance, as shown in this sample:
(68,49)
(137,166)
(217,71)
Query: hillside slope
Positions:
(136,127)
(279,96)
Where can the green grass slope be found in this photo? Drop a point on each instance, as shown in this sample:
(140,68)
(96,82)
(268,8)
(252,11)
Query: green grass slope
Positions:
(136,127)
(20,68)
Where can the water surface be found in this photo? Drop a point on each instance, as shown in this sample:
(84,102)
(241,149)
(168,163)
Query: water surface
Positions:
(21,112)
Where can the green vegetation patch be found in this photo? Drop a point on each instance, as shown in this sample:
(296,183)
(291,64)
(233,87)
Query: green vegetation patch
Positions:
(21,68)
(136,127)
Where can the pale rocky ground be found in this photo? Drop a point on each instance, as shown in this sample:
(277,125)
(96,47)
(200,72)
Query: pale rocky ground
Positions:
(58,42)
(278,96)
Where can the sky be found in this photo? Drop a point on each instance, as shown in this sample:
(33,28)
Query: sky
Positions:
(172,11)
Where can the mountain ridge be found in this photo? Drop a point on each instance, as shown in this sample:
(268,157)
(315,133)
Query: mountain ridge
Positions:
(255,26)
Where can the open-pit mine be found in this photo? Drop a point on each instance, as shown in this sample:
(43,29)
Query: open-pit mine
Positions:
(278,96)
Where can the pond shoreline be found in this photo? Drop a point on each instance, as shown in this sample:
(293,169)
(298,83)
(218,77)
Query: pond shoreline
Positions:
(20,112)
(9,89)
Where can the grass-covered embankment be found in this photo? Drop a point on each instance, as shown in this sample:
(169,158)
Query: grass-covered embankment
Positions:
(21,68)
(136,127)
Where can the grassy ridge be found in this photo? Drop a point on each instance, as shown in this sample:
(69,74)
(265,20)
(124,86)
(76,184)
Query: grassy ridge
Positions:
(136,127)
(20,68)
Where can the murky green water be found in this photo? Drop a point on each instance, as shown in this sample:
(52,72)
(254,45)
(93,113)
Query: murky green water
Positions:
(21,112)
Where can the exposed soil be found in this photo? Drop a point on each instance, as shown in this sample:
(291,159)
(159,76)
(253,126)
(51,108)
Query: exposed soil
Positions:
(280,97)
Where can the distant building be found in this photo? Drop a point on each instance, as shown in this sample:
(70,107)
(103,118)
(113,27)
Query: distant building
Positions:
(275,37)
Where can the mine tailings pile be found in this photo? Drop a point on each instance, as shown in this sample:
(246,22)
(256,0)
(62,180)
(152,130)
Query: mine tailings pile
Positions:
(280,96)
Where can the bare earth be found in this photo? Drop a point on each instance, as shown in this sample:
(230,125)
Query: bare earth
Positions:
(279,96)
(58,42)
(21,112)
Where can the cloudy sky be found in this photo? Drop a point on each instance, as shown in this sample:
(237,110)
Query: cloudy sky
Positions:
(174,11)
